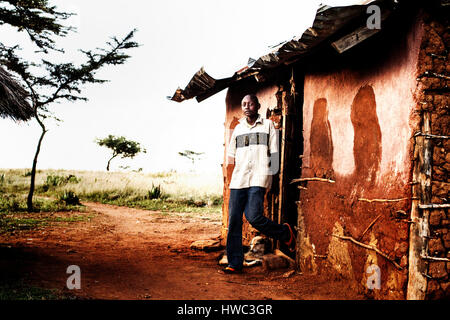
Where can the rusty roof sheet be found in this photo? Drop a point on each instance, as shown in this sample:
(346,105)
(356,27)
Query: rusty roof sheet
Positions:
(199,86)
(328,21)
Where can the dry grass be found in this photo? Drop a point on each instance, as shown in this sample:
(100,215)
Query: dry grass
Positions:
(176,184)
(122,188)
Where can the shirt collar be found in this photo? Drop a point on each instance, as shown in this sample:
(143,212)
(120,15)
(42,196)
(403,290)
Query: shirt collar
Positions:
(244,121)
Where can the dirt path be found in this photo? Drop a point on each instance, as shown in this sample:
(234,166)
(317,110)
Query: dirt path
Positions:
(126,253)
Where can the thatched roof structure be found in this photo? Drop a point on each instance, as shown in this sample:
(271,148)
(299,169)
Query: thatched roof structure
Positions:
(13,102)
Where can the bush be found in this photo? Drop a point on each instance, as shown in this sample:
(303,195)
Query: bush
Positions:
(190,202)
(73,179)
(12,203)
(155,193)
(70,198)
(215,200)
(56,181)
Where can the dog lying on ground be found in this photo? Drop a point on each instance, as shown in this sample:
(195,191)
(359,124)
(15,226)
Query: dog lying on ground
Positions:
(259,246)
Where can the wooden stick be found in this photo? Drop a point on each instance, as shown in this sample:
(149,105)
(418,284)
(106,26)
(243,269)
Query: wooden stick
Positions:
(303,188)
(244,284)
(434,206)
(370,248)
(369,226)
(312,179)
(437,56)
(435,258)
(428,74)
(386,200)
(431,136)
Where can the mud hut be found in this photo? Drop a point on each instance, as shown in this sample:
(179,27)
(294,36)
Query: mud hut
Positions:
(364,133)
(13,103)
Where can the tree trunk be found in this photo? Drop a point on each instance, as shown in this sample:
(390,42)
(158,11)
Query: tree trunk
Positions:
(33,168)
(109,161)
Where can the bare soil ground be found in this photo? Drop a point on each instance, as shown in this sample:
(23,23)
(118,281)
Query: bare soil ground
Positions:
(126,253)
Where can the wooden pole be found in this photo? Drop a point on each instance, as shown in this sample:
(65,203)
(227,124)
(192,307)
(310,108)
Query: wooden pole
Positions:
(418,233)
(282,156)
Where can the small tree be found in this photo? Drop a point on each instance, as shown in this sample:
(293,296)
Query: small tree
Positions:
(50,82)
(120,146)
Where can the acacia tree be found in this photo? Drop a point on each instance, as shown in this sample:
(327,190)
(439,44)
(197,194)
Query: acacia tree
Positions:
(120,146)
(191,155)
(49,82)
(38,19)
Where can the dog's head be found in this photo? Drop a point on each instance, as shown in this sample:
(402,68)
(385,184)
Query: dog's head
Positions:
(258,246)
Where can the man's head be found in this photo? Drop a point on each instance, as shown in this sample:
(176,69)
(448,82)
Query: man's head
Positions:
(250,106)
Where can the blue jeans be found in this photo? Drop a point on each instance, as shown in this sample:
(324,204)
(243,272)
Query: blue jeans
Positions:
(251,201)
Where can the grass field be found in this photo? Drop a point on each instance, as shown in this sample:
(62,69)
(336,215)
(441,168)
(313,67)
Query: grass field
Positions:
(62,190)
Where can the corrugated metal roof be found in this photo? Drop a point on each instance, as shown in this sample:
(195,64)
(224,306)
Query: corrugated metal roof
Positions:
(199,86)
(328,22)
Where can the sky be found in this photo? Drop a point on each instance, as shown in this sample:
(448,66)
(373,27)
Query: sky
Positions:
(177,38)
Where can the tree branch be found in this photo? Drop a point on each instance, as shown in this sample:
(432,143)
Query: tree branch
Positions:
(369,247)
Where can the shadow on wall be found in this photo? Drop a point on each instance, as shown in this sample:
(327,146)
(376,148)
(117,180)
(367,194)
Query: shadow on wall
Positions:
(366,143)
(321,141)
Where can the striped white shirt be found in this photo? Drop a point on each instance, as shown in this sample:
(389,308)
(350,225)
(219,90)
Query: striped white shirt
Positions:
(251,146)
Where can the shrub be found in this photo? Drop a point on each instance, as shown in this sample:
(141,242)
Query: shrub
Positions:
(73,179)
(56,181)
(215,200)
(155,192)
(70,198)
(190,202)
(11,203)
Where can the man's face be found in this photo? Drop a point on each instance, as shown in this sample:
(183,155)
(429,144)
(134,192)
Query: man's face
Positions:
(249,107)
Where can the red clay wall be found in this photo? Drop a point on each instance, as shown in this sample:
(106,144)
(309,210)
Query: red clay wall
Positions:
(358,123)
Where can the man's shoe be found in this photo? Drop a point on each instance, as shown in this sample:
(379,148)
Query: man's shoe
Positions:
(291,242)
(231,270)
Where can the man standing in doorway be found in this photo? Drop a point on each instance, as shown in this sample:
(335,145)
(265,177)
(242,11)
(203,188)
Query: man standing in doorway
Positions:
(254,150)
